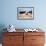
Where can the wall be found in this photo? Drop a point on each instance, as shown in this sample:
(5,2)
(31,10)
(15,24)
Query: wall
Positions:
(8,13)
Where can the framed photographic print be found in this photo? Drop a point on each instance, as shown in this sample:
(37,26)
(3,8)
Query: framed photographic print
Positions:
(25,13)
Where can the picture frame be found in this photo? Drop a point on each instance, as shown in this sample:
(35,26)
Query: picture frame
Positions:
(25,13)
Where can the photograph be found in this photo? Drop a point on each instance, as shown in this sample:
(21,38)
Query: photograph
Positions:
(25,13)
